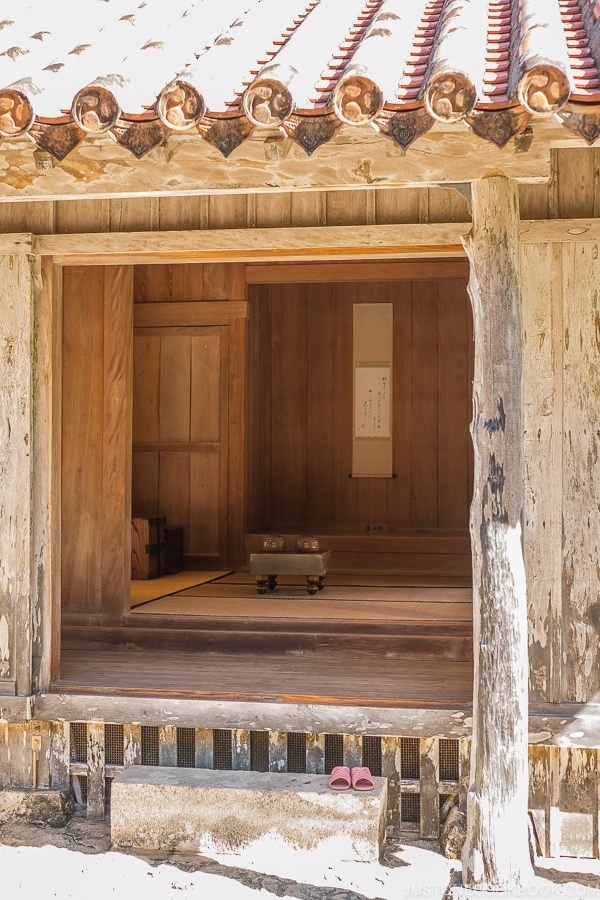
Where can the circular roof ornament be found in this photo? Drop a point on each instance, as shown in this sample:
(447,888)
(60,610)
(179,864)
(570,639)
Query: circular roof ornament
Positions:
(357,100)
(16,113)
(450,97)
(95,109)
(267,102)
(180,106)
(544,90)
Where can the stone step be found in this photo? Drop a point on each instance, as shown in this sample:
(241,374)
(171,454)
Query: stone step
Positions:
(245,814)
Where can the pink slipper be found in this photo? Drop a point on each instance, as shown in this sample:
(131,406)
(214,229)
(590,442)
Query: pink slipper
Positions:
(340,778)
(361,779)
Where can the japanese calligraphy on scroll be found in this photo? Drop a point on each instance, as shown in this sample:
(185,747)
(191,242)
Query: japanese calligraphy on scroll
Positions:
(372,359)
(372,401)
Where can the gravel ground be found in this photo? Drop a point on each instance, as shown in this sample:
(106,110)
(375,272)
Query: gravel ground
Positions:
(76,862)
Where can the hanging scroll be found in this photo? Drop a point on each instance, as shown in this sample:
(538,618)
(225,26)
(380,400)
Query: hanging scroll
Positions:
(372,358)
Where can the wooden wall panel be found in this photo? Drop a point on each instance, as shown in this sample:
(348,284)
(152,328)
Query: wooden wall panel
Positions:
(581,470)
(117,436)
(343,508)
(303,460)
(541,279)
(424,414)
(577,183)
(134,214)
(321,386)
(180,434)
(175,388)
(228,210)
(207,516)
(174,491)
(397,206)
(146,403)
(574,191)
(272,210)
(534,201)
(399,507)
(145,481)
(82,438)
(152,284)
(308,208)
(32,216)
(76,216)
(454,405)
(347,207)
(289,444)
(205,378)
(96,440)
(258,412)
(183,213)
(446,204)
(186,282)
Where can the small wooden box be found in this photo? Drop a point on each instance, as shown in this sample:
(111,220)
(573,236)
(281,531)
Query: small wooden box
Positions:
(174,550)
(148,549)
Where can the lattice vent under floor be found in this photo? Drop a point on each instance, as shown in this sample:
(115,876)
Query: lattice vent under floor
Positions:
(186,748)
(150,746)
(114,745)
(78,735)
(263,751)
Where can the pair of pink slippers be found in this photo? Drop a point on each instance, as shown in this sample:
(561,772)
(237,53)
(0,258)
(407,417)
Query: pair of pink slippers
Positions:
(342,778)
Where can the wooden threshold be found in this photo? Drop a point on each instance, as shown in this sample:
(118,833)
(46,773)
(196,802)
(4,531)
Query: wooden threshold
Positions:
(282,678)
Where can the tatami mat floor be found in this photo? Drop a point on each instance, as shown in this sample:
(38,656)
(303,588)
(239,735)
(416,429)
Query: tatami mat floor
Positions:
(151,589)
(376,597)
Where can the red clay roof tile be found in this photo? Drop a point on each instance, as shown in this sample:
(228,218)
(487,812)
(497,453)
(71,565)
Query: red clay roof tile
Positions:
(207,58)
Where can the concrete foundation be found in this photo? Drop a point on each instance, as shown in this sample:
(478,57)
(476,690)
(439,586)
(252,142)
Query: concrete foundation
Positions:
(236,813)
(51,807)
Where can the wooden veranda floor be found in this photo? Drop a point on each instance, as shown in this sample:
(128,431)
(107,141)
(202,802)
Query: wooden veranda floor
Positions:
(301,678)
(370,640)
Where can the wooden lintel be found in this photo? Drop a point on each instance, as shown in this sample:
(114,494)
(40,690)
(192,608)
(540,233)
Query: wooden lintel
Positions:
(216,312)
(393,245)
(383,270)
(560,230)
(244,244)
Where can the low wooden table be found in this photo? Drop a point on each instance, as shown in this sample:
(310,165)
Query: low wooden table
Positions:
(268,566)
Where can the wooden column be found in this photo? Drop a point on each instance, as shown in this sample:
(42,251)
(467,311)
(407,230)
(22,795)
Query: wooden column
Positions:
(18,273)
(496,853)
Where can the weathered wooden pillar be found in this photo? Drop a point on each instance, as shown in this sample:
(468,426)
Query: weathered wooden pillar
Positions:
(496,853)
(17,583)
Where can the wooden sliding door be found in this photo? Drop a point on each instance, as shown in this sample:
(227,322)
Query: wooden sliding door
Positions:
(96,442)
(180,429)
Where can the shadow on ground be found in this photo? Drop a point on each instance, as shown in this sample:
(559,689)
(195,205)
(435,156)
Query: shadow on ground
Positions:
(94,838)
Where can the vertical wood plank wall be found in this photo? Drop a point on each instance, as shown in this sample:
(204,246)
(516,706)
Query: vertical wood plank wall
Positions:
(96,441)
(562,427)
(301,422)
(180,429)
